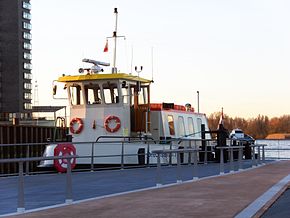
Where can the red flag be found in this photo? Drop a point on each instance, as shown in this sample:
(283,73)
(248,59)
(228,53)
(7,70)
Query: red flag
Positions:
(106,49)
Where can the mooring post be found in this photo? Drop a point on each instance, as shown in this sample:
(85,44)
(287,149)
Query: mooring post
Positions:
(20,205)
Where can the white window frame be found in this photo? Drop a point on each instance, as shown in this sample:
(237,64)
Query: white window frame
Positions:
(26,5)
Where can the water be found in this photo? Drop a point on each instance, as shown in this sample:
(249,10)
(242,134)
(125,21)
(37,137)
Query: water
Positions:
(276,149)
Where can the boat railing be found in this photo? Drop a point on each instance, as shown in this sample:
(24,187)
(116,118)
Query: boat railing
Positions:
(127,138)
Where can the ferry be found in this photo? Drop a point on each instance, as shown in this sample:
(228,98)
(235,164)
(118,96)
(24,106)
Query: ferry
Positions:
(111,107)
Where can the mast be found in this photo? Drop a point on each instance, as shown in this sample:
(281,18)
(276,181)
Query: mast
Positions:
(115,36)
(114,70)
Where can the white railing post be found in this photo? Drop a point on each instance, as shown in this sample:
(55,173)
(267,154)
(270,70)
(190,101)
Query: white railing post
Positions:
(259,156)
(69,198)
(92,157)
(263,154)
(222,168)
(158,176)
(231,159)
(148,154)
(20,204)
(178,173)
(170,155)
(195,166)
(253,156)
(240,158)
(122,156)
(205,152)
(27,162)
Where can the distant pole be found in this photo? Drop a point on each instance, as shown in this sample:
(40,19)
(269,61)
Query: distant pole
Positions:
(197,101)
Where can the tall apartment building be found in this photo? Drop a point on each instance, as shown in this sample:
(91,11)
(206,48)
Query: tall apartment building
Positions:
(15,58)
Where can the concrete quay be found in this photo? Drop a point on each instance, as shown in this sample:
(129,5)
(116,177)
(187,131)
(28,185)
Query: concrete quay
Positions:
(244,194)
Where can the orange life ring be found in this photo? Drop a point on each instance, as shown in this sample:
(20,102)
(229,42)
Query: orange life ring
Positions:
(80,127)
(62,163)
(117,123)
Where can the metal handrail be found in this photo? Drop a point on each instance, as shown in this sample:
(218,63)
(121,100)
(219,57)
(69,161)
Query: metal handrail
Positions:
(69,196)
(20,161)
(14,160)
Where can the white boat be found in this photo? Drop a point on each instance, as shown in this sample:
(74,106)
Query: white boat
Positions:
(114,107)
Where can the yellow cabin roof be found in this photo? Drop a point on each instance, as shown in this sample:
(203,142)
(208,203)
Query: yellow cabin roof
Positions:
(89,77)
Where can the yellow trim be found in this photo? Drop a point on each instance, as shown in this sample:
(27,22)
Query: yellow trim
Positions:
(89,77)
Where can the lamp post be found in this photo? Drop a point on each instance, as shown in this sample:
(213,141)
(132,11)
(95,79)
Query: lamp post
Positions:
(197,101)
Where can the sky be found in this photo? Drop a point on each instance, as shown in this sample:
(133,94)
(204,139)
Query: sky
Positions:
(236,53)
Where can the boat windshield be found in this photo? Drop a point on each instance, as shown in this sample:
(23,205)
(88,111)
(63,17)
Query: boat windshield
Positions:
(76,96)
(93,94)
(111,93)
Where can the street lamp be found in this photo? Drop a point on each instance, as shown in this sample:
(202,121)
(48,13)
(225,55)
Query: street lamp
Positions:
(197,101)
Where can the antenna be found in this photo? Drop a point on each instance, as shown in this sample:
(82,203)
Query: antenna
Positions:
(139,71)
(132,55)
(152,63)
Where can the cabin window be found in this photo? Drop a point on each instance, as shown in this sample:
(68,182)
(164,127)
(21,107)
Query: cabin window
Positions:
(93,94)
(171,124)
(111,93)
(132,94)
(190,125)
(125,95)
(199,122)
(76,95)
(181,127)
(143,96)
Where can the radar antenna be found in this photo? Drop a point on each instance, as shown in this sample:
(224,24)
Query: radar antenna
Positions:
(95,68)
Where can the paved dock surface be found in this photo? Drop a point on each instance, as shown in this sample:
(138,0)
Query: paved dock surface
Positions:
(222,196)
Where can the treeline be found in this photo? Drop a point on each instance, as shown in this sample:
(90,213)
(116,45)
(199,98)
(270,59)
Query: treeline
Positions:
(258,127)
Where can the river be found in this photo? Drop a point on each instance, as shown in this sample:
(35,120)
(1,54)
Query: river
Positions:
(276,149)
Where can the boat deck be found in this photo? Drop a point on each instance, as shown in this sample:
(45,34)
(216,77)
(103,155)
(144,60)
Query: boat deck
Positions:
(133,193)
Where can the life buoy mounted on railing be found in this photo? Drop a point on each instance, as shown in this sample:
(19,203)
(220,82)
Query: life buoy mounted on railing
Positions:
(112,123)
(62,163)
(76,125)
